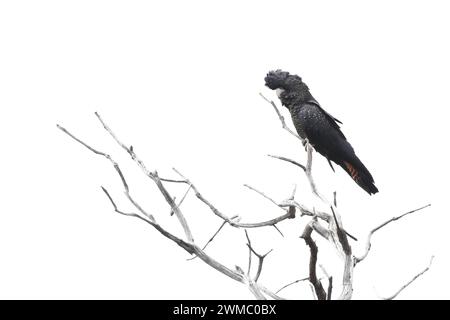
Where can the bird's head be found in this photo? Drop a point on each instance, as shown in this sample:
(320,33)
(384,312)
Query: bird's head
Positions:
(277,79)
(283,80)
(287,85)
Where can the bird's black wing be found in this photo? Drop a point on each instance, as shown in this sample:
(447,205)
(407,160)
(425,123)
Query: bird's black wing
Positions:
(321,130)
(332,120)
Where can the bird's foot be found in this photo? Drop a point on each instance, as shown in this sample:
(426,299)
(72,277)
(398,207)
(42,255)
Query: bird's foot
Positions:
(305,144)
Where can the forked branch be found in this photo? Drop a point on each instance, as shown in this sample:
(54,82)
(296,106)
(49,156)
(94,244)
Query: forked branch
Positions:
(189,246)
(369,237)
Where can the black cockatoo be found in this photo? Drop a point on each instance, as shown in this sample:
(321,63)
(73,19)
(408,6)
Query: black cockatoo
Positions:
(318,126)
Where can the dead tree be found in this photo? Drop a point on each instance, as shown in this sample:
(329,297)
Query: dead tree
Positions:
(325,224)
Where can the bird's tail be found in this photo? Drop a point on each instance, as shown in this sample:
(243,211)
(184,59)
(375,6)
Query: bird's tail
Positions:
(356,169)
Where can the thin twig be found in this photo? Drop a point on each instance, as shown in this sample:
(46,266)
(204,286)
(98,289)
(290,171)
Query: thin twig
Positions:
(291,283)
(369,237)
(130,214)
(410,281)
(294,190)
(279,231)
(288,160)
(212,238)
(260,257)
(173,180)
(182,199)
(249,252)
(335,198)
(280,116)
(341,234)
(107,156)
(265,196)
(271,200)
(116,167)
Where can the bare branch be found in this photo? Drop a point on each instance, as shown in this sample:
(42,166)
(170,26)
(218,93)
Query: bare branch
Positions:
(288,160)
(81,142)
(318,288)
(213,237)
(305,211)
(330,287)
(116,167)
(308,171)
(174,207)
(260,257)
(265,196)
(154,177)
(341,235)
(270,293)
(186,246)
(280,116)
(350,236)
(294,190)
(255,289)
(369,237)
(410,281)
(291,283)
(107,156)
(339,238)
(128,149)
(173,180)
(335,198)
(317,227)
(312,213)
(129,214)
(279,231)
(330,281)
(274,202)
(217,212)
(313,291)
(399,217)
(182,199)
(249,252)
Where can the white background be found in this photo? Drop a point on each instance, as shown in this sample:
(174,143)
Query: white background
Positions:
(179,80)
